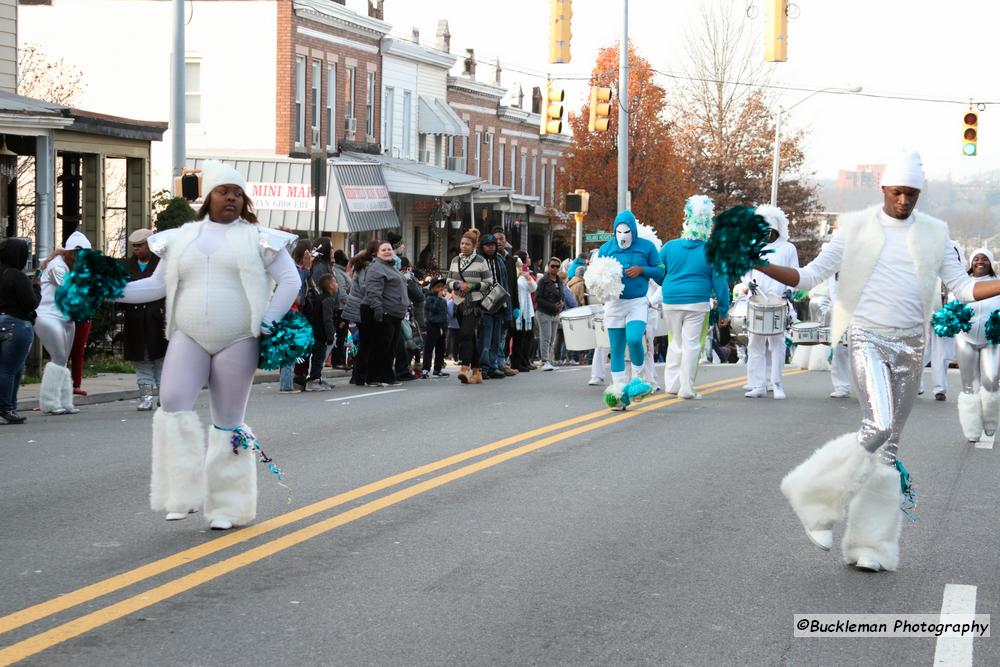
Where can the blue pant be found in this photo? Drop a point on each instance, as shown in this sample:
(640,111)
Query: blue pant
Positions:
(13,354)
(491,341)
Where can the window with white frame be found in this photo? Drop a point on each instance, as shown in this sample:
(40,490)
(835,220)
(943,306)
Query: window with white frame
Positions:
(331,106)
(534,176)
(300,101)
(407,122)
(317,115)
(479,151)
(524,170)
(350,86)
(451,146)
(465,154)
(192,91)
(513,166)
(370,106)
(545,171)
(552,185)
(388,111)
(501,154)
(489,158)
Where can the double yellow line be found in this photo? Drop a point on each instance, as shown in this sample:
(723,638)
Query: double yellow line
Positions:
(565,429)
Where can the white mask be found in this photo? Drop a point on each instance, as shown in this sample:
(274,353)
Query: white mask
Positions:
(623,234)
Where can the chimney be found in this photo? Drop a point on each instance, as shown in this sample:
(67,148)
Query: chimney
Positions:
(416,35)
(443,36)
(470,64)
(520,97)
(536,100)
(376,9)
(497,73)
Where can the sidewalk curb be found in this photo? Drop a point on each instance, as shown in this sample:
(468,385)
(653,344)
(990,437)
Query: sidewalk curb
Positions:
(124,395)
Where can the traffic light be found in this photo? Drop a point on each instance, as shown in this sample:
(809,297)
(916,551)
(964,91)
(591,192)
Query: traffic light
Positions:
(776,31)
(552,109)
(559,31)
(600,109)
(577,201)
(970,133)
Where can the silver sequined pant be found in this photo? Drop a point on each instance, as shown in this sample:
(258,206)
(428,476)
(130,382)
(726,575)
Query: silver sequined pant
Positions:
(886,365)
(978,364)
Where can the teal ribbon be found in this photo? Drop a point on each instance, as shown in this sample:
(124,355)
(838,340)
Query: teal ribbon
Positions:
(909,495)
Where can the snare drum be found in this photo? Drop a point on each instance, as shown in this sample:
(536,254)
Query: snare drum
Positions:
(768,315)
(601,337)
(738,315)
(578,328)
(661,321)
(808,333)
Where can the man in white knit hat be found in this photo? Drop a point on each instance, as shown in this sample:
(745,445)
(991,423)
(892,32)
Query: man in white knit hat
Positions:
(889,259)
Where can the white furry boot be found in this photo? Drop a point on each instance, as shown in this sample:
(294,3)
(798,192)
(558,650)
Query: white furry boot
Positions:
(66,395)
(230,481)
(874,522)
(819,358)
(176,484)
(818,488)
(50,395)
(970,415)
(991,410)
(801,356)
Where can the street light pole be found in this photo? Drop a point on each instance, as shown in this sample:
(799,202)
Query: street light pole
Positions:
(776,165)
(623,113)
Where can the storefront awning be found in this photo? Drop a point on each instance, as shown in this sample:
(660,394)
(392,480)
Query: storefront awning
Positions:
(436,117)
(357,196)
(416,178)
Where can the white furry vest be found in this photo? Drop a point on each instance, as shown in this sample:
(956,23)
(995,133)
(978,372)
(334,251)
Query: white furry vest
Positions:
(863,242)
(245,239)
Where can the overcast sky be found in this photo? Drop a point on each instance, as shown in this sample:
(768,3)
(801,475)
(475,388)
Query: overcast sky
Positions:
(917,48)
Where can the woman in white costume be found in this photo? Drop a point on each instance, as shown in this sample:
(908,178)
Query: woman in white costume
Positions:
(978,361)
(218,276)
(55,330)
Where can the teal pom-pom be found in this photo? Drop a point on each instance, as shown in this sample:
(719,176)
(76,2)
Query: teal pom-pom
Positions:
(95,278)
(993,328)
(951,318)
(290,341)
(737,242)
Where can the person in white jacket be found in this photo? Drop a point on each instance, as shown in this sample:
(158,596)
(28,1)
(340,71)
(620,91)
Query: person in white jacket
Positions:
(218,276)
(889,259)
(978,360)
(766,354)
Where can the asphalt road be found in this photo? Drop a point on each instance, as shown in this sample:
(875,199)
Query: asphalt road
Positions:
(514,523)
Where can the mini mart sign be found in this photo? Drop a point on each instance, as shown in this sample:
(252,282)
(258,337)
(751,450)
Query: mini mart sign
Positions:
(283,196)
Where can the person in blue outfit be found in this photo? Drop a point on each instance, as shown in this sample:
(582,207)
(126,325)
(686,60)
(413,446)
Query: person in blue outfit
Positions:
(625,317)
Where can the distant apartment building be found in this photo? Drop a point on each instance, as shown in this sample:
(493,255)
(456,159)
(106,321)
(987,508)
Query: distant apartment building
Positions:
(863,176)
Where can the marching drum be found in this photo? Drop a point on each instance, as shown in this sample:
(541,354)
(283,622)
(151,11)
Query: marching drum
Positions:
(809,333)
(738,314)
(601,337)
(768,315)
(578,328)
(661,322)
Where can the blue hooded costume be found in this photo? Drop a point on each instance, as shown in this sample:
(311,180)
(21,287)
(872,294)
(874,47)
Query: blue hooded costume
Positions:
(626,317)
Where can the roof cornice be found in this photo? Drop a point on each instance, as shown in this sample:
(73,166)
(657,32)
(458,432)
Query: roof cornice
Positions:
(404,49)
(476,88)
(337,16)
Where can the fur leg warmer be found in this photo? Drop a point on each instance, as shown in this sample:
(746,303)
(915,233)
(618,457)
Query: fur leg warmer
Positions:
(874,520)
(801,356)
(55,379)
(819,487)
(230,480)
(819,358)
(990,401)
(970,415)
(177,480)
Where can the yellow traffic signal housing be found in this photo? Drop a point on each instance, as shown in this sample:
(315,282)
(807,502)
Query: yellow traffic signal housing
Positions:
(578,201)
(776,31)
(552,109)
(559,31)
(970,133)
(600,109)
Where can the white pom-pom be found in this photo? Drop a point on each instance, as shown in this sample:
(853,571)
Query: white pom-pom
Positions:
(648,233)
(603,278)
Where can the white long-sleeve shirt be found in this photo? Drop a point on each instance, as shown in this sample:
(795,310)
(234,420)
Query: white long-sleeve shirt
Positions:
(784,254)
(891,297)
(977,334)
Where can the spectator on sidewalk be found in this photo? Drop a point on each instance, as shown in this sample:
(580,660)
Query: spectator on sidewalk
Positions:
(302,256)
(18,300)
(357,269)
(470,278)
(383,310)
(144,323)
(322,317)
(436,315)
(453,326)
(524,320)
(491,324)
(514,304)
(549,302)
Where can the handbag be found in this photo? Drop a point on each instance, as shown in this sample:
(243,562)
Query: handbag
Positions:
(495,299)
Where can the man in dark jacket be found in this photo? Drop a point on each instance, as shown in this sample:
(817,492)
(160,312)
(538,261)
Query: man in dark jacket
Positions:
(513,307)
(549,302)
(145,344)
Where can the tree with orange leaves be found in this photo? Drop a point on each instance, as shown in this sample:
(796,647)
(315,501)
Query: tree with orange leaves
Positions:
(656,172)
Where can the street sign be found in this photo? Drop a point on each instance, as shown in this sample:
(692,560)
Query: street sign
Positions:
(597,237)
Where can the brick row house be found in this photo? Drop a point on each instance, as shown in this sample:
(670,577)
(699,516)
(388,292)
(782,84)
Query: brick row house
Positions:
(312,75)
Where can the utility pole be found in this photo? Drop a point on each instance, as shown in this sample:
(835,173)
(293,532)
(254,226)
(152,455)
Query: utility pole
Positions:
(177,115)
(623,112)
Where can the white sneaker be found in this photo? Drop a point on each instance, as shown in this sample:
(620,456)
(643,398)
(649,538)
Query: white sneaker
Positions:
(220,524)
(869,564)
(595,381)
(758,392)
(821,538)
(548,367)
(177,516)
(689,396)
(779,392)
(840,393)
